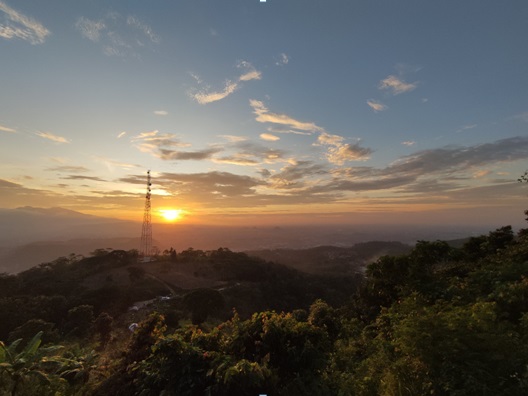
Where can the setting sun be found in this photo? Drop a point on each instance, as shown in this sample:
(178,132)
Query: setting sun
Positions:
(171,214)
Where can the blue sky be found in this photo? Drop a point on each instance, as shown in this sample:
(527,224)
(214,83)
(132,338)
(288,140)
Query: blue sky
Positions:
(246,108)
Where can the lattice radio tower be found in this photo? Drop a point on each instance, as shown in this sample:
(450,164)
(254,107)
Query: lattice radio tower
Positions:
(146,232)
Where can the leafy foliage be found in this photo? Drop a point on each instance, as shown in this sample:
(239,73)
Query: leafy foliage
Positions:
(437,320)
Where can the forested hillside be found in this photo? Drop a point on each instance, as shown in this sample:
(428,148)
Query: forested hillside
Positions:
(437,320)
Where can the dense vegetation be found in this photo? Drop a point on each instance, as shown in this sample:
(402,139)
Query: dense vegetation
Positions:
(439,320)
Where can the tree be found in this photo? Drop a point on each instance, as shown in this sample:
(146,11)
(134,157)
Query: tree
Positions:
(24,373)
(80,320)
(202,303)
(136,274)
(103,327)
(34,326)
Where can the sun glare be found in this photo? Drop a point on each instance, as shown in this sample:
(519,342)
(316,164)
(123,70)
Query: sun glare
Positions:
(171,214)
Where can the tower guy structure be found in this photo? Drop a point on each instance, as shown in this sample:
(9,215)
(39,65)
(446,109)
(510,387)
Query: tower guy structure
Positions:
(145,249)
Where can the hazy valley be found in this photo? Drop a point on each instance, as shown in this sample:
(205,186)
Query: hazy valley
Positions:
(30,236)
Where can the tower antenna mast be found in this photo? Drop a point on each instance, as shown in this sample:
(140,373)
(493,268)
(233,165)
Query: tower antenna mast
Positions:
(145,250)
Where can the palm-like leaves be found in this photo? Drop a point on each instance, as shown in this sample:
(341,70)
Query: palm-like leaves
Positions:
(32,362)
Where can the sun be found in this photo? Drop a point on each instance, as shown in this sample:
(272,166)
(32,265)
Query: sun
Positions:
(171,214)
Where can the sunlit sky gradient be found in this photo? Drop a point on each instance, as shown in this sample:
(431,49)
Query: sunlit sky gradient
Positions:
(303,108)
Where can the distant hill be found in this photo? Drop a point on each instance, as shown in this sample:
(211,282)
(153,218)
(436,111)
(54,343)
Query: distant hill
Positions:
(29,224)
(30,236)
(332,259)
(22,257)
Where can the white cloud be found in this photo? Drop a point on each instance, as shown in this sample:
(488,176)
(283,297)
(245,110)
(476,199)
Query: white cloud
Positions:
(396,85)
(161,112)
(283,60)
(264,116)
(339,152)
(204,97)
(17,25)
(118,36)
(6,129)
(110,163)
(376,105)
(145,29)
(347,152)
(250,74)
(166,146)
(90,29)
(409,143)
(196,77)
(144,135)
(52,137)
(233,138)
(467,127)
(269,137)
(327,139)
(281,129)
(121,135)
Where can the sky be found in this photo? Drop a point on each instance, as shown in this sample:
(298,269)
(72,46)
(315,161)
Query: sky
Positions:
(246,111)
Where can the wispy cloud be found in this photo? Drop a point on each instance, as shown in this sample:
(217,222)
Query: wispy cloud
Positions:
(286,130)
(298,176)
(117,35)
(166,154)
(237,159)
(81,177)
(161,112)
(251,154)
(396,85)
(167,146)
(151,142)
(427,176)
(283,60)
(204,95)
(6,129)
(409,143)
(52,137)
(265,116)
(481,173)
(110,163)
(144,28)
(121,135)
(210,188)
(17,25)
(250,72)
(233,138)
(90,29)
(69,169)
(376,105)
(467,127)
(196,77)
(521,116)
(339,152)
(8,184)
(269,137)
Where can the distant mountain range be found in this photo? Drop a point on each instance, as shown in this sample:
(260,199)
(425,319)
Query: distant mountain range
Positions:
(30,236)
(28,224)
